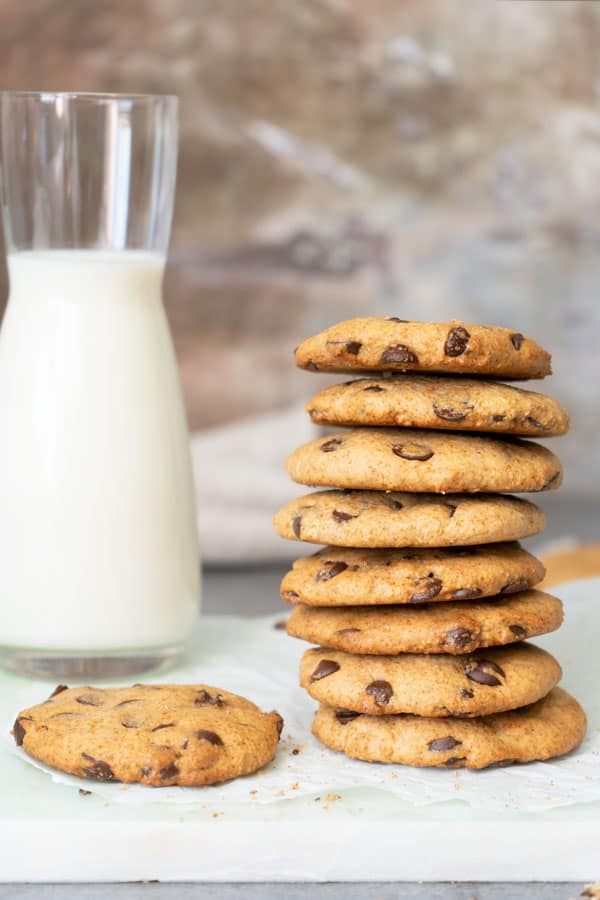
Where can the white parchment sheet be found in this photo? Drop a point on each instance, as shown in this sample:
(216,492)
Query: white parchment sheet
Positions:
(253,658)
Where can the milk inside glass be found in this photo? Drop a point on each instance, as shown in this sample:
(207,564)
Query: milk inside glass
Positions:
(98,544)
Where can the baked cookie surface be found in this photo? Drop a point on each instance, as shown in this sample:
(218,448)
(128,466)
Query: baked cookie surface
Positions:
(377,519)
(373,344)
(476,684)
(428,401)
(553,726)
(455,628)
(431,461)
(157,735)
(338,576)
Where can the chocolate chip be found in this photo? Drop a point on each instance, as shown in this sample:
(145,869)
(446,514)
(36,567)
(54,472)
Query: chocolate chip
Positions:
(352,347)
(412,450)
(550,482)
(535,423)
(451,507)
(396,319)
(482,672)
(348,630)
(296,525)
(206,699)
(439,745)
(126,703)
(514,587)
(331,445)
(169,771)
(311,367)
(90,700)
(449,414)
(460,639)
(498,417)
(332,569)
(98,769)
(209,736)
(518,631)
(399,353)
(456,342)
(375,389)
(130,723)
(501,764)
(516,340)
(466,694)
(84,793)
(340,516)
(429,588)
(290,596)
(279,723)
(345,715)
(160,727)
(295,752)
(454,760)
(184,746)
(468,593)
(325,668)
(395,504)
(145,771)
(19,732)
(58,690)
(381,691)
(281,625)
(61,715)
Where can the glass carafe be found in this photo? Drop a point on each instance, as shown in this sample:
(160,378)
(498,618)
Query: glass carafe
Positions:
(99,570)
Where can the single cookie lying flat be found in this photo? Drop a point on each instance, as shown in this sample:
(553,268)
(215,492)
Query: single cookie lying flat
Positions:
(339,576)
(410,460)
(477,684)
(371,344)
(428,628)
(551,727)
(376,519)
(158,735)
(428,401)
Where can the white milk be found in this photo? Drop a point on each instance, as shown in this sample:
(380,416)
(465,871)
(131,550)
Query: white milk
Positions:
(98,546)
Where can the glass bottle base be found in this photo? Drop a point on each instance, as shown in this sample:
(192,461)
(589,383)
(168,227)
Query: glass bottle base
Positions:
(82,665)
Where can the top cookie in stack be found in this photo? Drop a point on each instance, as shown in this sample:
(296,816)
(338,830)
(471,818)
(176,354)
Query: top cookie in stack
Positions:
(402,630)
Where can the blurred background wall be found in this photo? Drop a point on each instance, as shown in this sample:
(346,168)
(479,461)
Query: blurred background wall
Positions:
(431,159)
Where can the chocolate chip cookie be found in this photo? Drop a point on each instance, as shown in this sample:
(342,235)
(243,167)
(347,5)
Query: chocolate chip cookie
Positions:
(451,404)
(402,459)
(476,684)
(551,727)
(455,628)
(158,735)
(377,519)
(372,344)
(339,576)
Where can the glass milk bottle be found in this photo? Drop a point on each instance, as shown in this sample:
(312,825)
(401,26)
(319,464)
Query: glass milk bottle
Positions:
(99,570)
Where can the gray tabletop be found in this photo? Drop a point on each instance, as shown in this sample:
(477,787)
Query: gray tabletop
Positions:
(255,592)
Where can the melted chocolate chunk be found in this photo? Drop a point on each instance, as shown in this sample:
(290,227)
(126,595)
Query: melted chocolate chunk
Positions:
(169,771)
(457,341)
(412,450)
(206,699)
(460,639)
(454,760)
(498,417)
(325,668)
(331,445)
(18,731)
(483,671)
(399,353)
(345,715)
(209,736)
(58,690)
(440,745)
(351,347)
(126,703)
(535,423)
(297,525)
(450,414)
(348,630)
(427,590)
(375,389)
(381,691)
(99,770)
(513,587)
(340,516)
(160,727)
(466,694)
(468,593)
(61,715)
(500,765)
(90,700)
(331,570)
(516,340)
(518,631)
(290,596)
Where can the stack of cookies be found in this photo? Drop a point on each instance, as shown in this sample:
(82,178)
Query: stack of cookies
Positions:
(422,599)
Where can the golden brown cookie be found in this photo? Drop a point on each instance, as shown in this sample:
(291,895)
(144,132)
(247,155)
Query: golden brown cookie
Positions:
(553,726)
(401,459)
(371,344)
(377,519)
(339,576)
(166,734)
(454,628)
(428,401)
(477,684)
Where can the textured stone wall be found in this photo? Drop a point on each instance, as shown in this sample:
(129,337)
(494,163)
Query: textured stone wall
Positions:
(430,158)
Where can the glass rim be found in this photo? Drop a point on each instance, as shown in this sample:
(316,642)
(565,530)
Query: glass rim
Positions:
(89,95)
